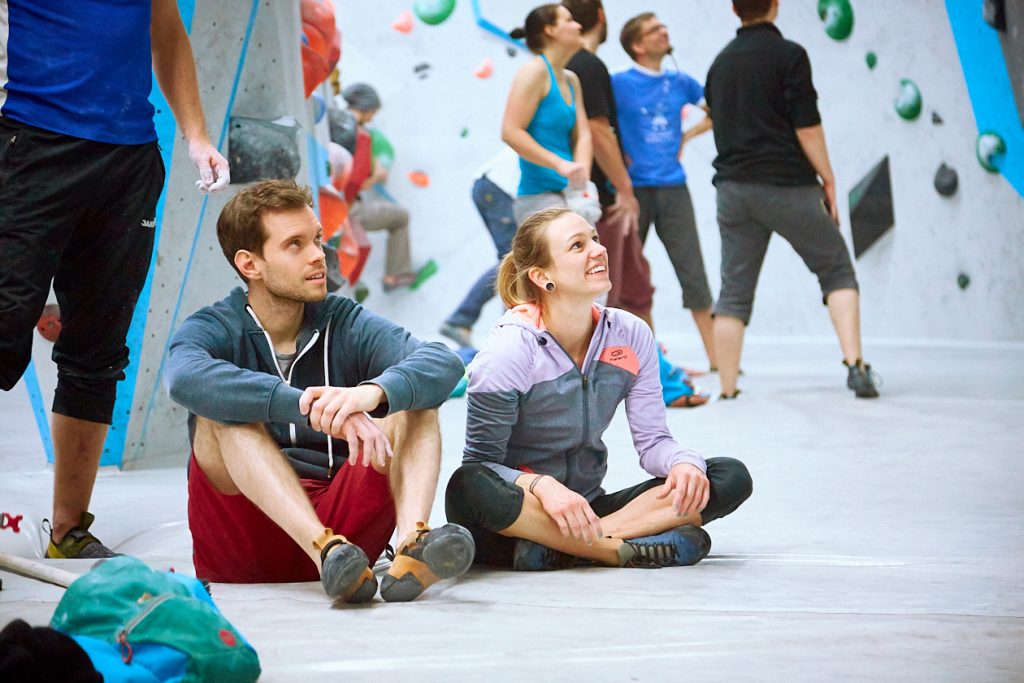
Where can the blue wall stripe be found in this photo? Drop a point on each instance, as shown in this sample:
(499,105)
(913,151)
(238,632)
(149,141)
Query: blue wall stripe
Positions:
(488,25)
(988,83)
(35,396)
(157,383)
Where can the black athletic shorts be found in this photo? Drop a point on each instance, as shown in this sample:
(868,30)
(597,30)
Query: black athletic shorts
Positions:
(80,215)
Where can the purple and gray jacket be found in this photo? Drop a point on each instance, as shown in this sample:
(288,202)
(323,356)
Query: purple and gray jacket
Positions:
(531,409)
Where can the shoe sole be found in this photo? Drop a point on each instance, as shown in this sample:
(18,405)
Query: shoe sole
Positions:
(448,555)
(342,568)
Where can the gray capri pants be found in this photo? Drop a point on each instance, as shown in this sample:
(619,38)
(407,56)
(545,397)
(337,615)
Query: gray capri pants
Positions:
(671,210)
(748,214)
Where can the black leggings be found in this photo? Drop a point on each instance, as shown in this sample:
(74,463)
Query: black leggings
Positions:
(480,500)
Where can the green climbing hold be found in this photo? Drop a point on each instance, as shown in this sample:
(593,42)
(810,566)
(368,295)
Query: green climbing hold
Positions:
(838,18)
(433,12)
(464,132)
(991,150)
(380,148)
(962,280)
(908,104)
(872,59)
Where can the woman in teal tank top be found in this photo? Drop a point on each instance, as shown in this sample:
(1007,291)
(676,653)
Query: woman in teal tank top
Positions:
(545,121)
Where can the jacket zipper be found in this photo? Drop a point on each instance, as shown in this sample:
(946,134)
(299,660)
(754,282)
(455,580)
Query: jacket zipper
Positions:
(585,380)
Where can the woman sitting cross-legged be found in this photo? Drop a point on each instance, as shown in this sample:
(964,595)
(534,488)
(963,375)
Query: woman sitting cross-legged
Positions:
(542,392)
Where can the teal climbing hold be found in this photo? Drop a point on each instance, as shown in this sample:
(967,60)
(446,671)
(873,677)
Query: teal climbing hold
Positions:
(464,132)
(433,12)
(908,103)
(872,59)
(991,150)
(962,280)
(838,18)
(380,148)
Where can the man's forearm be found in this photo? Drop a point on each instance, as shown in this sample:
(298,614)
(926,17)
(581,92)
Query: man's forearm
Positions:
(608,155)
(812,140)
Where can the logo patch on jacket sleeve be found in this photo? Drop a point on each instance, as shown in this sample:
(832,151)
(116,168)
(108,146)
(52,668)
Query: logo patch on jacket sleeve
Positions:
(621,357)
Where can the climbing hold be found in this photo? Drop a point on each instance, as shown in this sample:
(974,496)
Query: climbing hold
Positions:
(838,18)
(433,12)
(936,119)
(312,37)
(419,178)
(460,388)
(426,271)
(485,68)
(344,128)
(49,323)
(872,59)
(380,149)
(871,212)
(511,51)
(963,280)
(464,132)
(335,279)
(334,54)
(361,292)
(946,181)
(319,107)
(341,165)
(403,22)
(991,150)
(908,103)
(261,150)
(422,70)
(333,210)
(314,69)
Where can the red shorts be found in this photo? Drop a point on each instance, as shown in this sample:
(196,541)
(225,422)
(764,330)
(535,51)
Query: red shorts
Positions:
(234,542)
(628,268)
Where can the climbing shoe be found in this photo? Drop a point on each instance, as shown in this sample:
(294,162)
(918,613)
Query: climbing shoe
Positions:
(427,556)
(861,379)
(679,547)
(344,568)
(534,557)
(78,543)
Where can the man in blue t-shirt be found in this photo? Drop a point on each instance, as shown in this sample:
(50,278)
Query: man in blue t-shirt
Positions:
(650,102)
(80,176)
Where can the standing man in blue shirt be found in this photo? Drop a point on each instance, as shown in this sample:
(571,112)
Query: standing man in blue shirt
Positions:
(650,102)
(80,176)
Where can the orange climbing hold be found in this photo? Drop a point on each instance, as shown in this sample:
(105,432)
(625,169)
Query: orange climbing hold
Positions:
(419,178)
(485,68)
(403,23)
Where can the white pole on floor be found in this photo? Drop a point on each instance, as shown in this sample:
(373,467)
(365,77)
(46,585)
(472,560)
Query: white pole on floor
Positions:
(36,570)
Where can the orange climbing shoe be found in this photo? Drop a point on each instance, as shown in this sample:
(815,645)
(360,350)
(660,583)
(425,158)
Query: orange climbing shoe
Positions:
(427,556)
(345,571)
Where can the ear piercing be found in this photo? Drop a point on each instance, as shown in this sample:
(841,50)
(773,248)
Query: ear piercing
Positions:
(550,286)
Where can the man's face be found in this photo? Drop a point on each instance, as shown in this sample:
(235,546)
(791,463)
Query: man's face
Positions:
(293,266)
(654,40)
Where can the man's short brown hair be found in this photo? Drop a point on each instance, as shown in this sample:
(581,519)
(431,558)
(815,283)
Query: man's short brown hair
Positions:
(240,225)
(586,13)
(748,10)
(633,31)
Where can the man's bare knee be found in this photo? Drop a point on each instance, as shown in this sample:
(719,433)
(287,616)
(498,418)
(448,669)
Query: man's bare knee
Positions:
(212,440)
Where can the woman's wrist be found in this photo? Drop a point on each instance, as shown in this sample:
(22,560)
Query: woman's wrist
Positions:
(533,483)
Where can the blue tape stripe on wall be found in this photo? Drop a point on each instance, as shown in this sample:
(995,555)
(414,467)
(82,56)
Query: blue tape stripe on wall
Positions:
(157,382)
(113,447)
(988,83)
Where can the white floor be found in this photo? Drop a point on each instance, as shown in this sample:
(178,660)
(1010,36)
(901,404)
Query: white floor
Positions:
(884,540)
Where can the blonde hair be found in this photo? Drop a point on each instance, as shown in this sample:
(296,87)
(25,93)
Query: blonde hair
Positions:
(530,249)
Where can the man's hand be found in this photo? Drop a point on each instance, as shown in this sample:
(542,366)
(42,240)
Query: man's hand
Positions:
(569,510)
(688,487)
(214,174)
(829,187)
(365,439)
(627,210)
(328,407)
(577,173)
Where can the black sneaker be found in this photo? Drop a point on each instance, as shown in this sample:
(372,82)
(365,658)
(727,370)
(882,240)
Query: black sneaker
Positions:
(78,543)
(861,379)
(680,547)
(529,556)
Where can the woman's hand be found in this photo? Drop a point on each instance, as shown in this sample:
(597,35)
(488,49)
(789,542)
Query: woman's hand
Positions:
(569,510)
(689,489)
(577,173)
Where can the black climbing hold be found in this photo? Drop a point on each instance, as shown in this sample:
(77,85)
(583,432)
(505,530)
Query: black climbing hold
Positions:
(512,52)
(871,212)
(963,280)
(422,70)
(946,181)
(261,150)
(343,127)
(335,280)
(994,13)
(936,119)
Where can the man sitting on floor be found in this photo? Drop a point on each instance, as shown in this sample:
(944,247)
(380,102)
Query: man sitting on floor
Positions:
(307,411)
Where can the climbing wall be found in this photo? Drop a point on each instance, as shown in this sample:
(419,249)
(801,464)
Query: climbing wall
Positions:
(443,119)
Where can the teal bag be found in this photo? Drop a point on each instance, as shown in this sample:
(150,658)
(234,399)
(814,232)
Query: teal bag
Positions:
(138,624)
